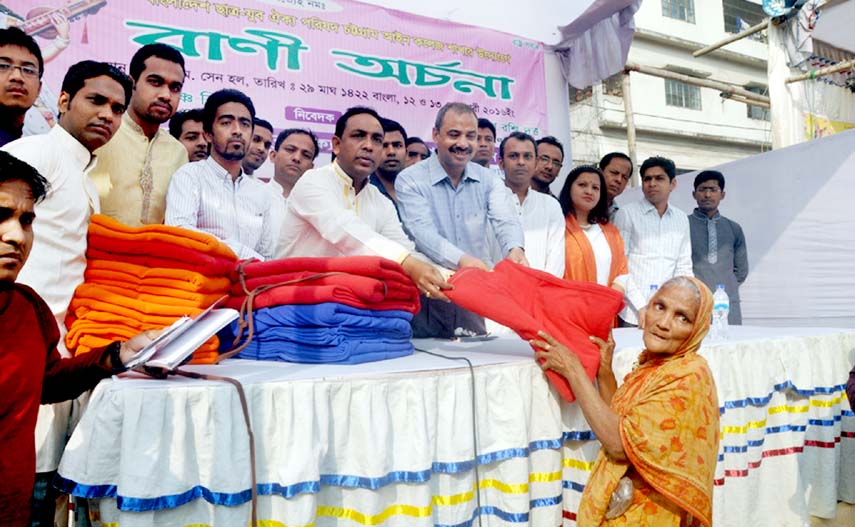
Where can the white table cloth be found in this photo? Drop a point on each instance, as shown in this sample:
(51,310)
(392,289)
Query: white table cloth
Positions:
(391,442)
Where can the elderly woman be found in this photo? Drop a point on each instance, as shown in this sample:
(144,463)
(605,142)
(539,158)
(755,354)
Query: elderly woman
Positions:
(660,430)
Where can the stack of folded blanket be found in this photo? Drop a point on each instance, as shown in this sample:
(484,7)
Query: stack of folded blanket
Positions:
(322,310)
(140,278)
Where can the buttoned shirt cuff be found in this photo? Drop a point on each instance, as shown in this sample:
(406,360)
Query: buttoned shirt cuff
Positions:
(452,257)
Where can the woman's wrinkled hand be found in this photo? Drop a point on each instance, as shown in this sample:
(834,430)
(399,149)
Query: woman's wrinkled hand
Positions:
(607,350)
(555,356)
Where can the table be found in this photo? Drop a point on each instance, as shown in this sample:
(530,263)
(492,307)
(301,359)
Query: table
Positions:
(391,443)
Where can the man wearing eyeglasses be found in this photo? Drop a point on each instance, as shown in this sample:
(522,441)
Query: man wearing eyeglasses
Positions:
(550,157)
(21,67)
(617,169)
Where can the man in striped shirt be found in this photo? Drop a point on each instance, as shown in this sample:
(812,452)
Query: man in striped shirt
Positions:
(214,195)
(656,238)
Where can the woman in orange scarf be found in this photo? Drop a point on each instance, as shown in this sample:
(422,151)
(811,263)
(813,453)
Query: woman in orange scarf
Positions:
(660,430)
(593,248)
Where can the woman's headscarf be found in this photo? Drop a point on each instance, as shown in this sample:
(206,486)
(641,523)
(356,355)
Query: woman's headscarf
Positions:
(669,428)
(702,320)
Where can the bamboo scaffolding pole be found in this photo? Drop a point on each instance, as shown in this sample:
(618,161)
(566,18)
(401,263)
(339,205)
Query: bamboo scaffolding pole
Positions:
(822,72)
(733,38)
(630,128)
(723,87)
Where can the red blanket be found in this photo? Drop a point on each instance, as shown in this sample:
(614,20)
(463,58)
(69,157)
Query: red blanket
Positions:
(527,300)
(366,282)
(180,258)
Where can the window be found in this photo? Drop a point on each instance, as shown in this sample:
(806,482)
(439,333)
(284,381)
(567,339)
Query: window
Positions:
(758,112)
(679,9)
(683,95)
(577,95)
(739,15)
(614,85)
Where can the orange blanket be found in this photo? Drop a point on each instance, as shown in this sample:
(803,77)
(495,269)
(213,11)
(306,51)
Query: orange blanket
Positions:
(113,301)
(206,354)
(107,234)
(131,274)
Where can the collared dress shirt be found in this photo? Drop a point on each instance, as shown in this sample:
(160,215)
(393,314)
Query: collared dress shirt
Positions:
(543,228)
(133,173)
(203,196)
(719,256)
(277,209)
(448,222)
(325,216)
(57,260)
(657,249)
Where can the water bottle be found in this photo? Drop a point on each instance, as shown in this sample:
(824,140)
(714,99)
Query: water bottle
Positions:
(721,308)
(653,289)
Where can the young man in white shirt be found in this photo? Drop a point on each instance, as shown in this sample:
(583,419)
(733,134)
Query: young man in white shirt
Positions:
(214,195)
(656,237)
(93,98)
(540,214)
(294,153)
(334,211)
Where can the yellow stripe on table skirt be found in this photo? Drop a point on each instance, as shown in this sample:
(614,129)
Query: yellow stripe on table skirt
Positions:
(376,519)
(578,464)
(780,409)
(507,488)
(827,404)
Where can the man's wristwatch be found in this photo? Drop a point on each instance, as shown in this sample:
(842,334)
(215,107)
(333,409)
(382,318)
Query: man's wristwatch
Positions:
(115,359)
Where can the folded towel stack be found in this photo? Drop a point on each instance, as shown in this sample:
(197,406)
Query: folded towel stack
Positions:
(140,278)
(323,310)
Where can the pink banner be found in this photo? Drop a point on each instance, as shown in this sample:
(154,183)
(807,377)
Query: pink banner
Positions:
(303,62)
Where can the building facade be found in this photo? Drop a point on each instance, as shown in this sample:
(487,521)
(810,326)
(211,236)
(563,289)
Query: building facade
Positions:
(694,126)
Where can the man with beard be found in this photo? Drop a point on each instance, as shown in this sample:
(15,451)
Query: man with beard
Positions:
(550,157)
(134,168)
(617,169)
(392,159)
(259,147)
(214,195)
(541,216)
(447,205)
(186,126)
(486,143)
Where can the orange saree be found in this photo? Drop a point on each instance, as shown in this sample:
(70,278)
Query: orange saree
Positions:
(579,263)
(669,427)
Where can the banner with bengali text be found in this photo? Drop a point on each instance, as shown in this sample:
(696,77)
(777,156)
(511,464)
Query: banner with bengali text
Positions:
(303,62)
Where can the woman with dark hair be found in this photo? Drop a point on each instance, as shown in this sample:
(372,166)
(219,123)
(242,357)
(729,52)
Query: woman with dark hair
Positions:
(593,248)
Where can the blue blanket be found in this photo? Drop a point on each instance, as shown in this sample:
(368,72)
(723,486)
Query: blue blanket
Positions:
(325,333)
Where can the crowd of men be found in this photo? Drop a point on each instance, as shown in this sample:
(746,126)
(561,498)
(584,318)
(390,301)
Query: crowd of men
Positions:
(385,193)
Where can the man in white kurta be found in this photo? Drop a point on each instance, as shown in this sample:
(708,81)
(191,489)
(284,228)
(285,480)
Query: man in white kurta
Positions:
(58,258)
(334,211)
(540,214)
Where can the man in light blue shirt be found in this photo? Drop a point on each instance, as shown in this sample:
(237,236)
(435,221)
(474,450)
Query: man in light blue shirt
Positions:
(449,205)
